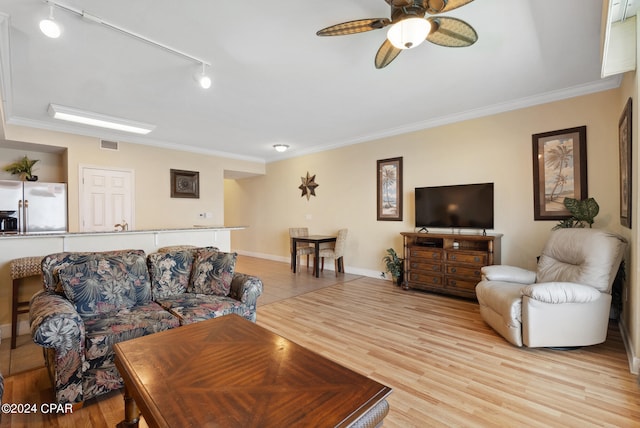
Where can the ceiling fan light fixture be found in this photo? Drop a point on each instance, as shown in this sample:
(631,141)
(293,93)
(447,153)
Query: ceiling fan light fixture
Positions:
(50,27)
(409,32)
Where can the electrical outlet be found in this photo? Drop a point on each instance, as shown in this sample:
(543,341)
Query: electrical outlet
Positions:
(308,216)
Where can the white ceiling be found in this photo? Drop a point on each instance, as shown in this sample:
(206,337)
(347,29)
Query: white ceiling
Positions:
(275,81)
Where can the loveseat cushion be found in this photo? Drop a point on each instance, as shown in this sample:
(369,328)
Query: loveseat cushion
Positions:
(169,272)
(100,374)
(212,272)
(53,263)
(104,330)
(98,286)
(191,307)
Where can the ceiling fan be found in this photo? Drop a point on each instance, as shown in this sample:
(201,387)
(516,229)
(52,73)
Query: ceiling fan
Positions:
(409,27)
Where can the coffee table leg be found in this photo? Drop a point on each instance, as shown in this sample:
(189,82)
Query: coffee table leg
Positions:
(131,412)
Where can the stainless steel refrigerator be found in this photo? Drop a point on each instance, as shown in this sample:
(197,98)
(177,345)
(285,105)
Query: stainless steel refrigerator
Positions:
(36,207)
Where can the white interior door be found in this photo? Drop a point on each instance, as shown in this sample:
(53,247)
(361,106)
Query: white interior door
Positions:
(106,199)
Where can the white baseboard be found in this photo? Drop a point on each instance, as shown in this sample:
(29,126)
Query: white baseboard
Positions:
(634,360)
(328,266)
(23,328)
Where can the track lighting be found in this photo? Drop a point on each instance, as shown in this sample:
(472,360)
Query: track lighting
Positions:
(49,26)
(203,79)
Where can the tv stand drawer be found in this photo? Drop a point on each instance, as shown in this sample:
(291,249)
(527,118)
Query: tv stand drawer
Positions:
(448,263)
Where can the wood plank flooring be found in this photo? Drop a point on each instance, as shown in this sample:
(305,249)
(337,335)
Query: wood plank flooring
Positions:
(447,368)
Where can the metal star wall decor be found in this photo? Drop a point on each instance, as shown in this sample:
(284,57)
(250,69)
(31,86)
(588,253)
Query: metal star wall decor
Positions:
(308,186)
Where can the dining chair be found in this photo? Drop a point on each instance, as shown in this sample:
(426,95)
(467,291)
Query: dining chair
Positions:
(336,252)
(302,248)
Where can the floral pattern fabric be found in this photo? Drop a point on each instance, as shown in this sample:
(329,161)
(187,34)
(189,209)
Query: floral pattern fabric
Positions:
(134,260)
(79,348)
(191,307)
(212,272)
(97,287)
(170,273)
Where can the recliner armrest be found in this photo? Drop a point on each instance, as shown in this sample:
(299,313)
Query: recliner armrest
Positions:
(561,292)
(508,274)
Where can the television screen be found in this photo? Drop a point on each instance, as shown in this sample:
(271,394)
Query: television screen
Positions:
(461,206)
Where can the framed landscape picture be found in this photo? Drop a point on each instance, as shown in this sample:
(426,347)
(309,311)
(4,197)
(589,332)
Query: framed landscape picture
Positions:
(559,171)
(185,184)
(389,178)
(624,140)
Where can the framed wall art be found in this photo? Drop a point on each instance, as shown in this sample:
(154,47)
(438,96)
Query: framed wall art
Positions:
(185,184)
(624,141)
(389,178)
(559,171)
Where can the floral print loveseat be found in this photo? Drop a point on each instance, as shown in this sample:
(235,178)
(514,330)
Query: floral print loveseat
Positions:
(92,300)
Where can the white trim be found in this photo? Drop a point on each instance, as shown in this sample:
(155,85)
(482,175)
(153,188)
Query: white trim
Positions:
(634,360)
(329,266)
(6,85)
(544,98)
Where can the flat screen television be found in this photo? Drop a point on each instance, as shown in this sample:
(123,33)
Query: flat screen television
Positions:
(468,206)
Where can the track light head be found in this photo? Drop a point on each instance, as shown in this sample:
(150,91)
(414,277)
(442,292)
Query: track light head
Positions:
(49,26)
(202,78)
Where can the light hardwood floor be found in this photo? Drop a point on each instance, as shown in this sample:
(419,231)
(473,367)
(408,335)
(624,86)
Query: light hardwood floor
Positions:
(446,367)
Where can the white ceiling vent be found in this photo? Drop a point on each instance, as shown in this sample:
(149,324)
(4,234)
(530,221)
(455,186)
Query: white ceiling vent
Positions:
(108,145)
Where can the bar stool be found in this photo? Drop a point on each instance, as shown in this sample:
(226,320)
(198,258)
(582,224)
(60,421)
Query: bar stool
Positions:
(21,268)
(173,248)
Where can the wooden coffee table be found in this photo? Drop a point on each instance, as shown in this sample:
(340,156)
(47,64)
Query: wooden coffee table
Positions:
(230,372)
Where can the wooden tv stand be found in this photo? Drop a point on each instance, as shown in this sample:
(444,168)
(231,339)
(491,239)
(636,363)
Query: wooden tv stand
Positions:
(448,263)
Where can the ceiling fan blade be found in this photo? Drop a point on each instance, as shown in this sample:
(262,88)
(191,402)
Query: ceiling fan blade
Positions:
(451,32)
(441,6)
(399,3)
(386,54)
(353,27)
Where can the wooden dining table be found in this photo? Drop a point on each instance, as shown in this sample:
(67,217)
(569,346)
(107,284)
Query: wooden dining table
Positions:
(316,240)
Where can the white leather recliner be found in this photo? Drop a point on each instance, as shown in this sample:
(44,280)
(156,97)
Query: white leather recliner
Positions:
(566,302)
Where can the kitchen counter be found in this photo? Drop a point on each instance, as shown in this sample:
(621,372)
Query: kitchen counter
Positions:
(143,231)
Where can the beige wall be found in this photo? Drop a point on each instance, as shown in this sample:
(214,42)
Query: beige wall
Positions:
(154,208)
(491,149)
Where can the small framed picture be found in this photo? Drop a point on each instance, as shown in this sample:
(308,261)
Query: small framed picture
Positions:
(389,189)
(185,184)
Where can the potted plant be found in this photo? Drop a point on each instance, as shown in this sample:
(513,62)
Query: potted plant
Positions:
(582,212)
(23,168)
(394,265)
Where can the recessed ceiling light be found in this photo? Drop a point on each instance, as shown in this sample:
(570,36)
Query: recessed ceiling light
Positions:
(100,120)
(281,147)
